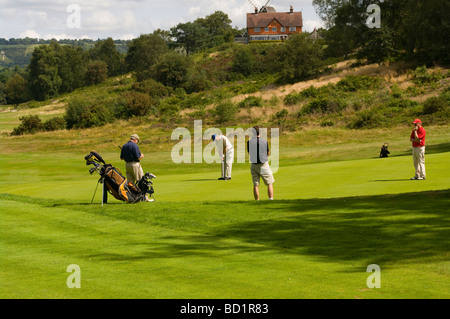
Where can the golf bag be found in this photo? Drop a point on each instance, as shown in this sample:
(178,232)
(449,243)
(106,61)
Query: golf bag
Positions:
(384,150)
(116,184)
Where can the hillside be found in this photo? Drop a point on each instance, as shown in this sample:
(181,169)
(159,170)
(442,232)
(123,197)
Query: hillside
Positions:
(345,95)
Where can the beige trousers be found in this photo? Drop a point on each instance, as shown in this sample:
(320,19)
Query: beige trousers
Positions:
(228,163)
(134,171)
(419,161)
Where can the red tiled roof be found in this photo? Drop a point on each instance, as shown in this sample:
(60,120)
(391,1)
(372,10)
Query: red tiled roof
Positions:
(263,19)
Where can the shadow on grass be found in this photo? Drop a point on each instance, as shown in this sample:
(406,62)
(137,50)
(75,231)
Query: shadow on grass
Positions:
(199,180)
(384,229)
(391,180)
(429,149)
(377,228)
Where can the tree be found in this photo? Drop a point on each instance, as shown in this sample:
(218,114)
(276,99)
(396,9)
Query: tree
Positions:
(190,36)
(96,72)
(172,69)
(16,90)
(425,28)
(243,62)
(43,71)
(55,69)
(417,27)
(299,58)
(106,51)
(219,28)
(143,53)
(71,66)
(326,9)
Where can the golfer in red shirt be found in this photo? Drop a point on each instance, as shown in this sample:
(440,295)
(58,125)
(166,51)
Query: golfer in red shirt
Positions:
(418,149)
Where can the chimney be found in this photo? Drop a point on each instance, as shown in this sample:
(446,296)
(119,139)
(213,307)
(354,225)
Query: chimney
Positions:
(291,11)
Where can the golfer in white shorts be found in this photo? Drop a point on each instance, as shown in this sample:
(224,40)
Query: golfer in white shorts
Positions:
(258,150)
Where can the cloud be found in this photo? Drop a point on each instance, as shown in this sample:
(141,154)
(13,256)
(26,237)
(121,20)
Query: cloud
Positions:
(309,25)
(30,34)
(119,18)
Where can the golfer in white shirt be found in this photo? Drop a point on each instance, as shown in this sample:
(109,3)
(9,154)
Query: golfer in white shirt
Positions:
(225,147)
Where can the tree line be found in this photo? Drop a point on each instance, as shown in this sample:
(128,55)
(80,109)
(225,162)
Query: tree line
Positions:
(57,67)
(417,29)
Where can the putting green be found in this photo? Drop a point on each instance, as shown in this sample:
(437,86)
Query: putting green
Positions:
(55,178)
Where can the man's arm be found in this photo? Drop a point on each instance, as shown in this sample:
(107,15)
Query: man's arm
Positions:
(414,137)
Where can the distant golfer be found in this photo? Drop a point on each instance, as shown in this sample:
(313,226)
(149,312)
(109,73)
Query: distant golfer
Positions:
(226,153)
(418,149)
(132,156)
(258,150)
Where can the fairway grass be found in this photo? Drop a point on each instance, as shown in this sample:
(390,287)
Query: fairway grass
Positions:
(311,248)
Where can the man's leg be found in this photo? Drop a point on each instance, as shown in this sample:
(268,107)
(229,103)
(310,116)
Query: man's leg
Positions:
(222,170)
(421,164)
(270,191)
(229,163)
(415,154)
(129,169)
(256,192)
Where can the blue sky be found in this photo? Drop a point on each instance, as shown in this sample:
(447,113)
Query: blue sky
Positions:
(124,19)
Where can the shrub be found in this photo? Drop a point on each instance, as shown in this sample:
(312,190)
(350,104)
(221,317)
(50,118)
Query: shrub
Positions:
(195,100)
(197,81)
(155,89)
(352,83)
(243,62)
(323,105)
(435,104)
(396,92)
(422,76)
(326,123)
(274,100)
(367,119)
(30,124)
(54,124)
(281,114)
(292,98)
(225,111)
(97,72)
(169,107)
(86,113)
(310,92)
(250,101)
(401,103)
(137,104)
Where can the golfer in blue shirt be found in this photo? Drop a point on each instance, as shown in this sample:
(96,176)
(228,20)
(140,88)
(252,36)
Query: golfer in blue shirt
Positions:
(132,155)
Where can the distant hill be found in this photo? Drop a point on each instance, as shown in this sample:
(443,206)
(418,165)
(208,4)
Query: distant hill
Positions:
(17,52)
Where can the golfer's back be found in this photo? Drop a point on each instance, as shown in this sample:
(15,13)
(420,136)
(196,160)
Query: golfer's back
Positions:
(258,149)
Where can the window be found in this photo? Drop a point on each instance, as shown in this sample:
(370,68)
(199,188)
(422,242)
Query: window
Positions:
(292,29)
(274,29)
(257,29)
(283,29)
(266,29)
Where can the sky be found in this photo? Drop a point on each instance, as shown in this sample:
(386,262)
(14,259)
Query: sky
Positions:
(125,19)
